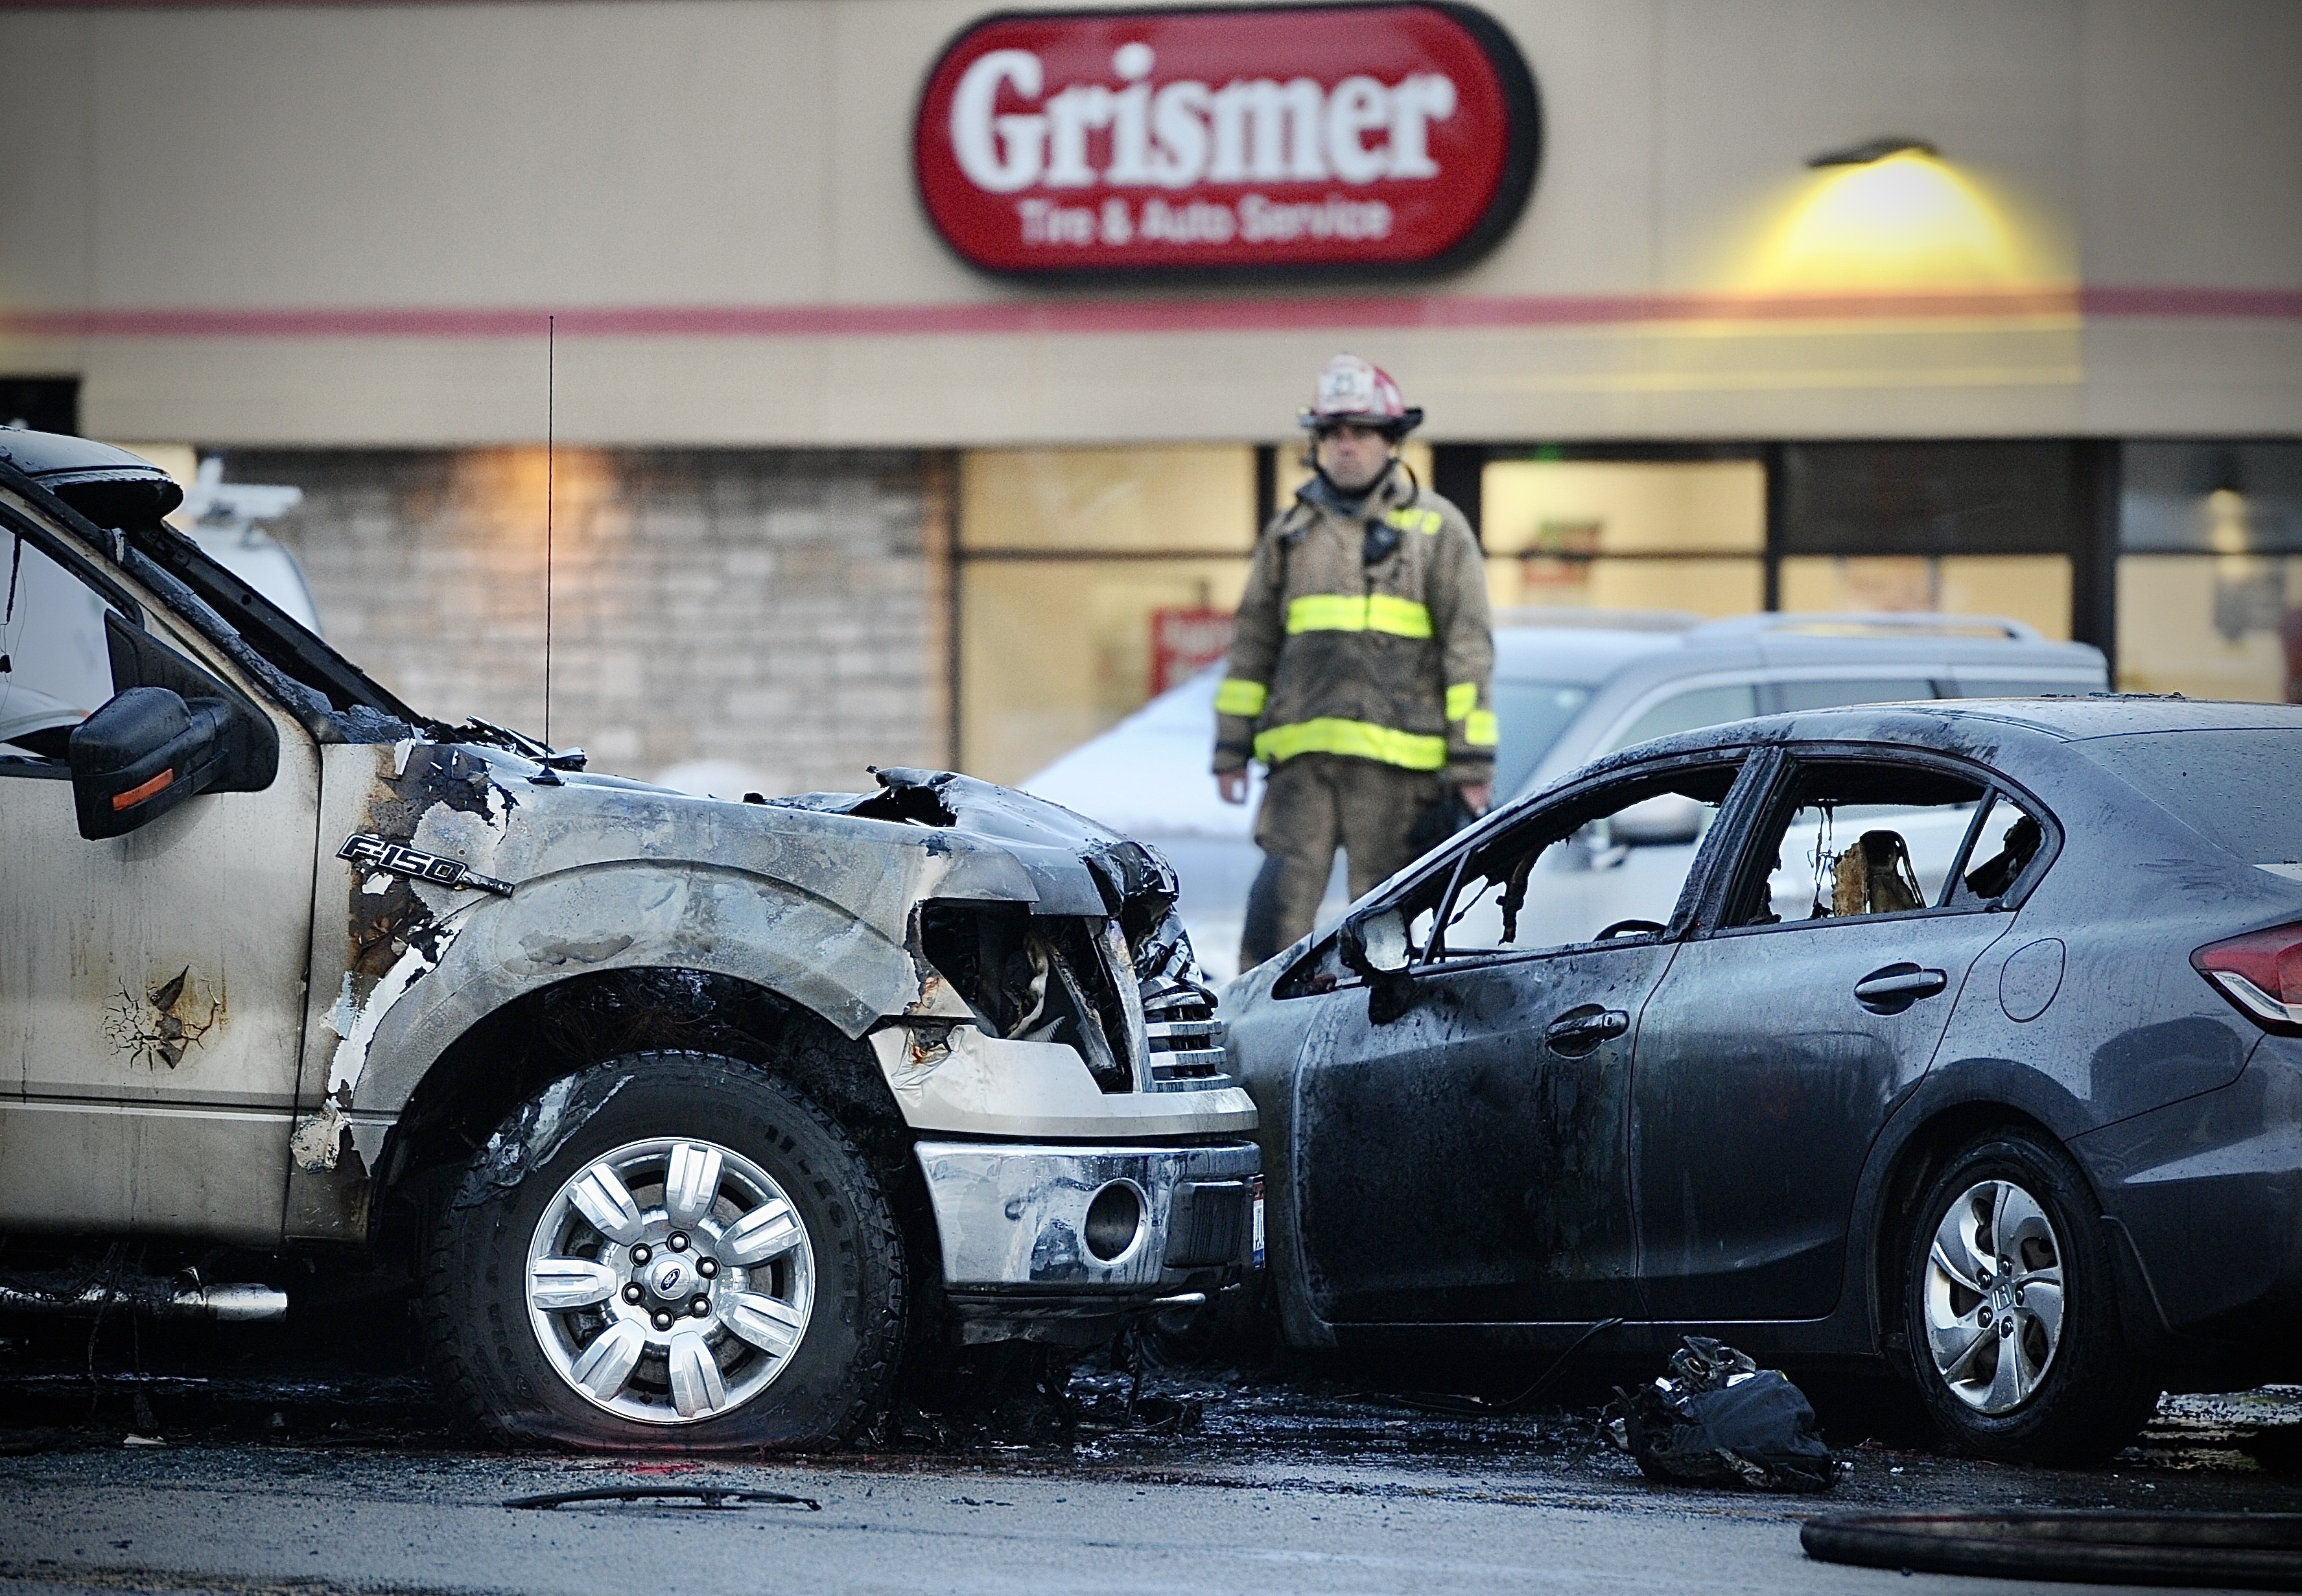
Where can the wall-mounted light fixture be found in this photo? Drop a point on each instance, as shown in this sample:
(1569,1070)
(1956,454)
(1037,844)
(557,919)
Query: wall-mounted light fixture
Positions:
(1889,213)
(1874,149)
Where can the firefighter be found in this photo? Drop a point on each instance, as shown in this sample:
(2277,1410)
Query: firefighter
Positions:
(1359,675)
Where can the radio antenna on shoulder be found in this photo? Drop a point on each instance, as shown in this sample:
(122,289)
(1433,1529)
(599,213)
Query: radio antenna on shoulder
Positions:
(550,496)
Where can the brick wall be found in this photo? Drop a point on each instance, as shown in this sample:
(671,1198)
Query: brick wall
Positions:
(780,610)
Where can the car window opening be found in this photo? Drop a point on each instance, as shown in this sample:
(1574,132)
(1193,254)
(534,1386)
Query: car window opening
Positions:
(1611,865)
(1532,715)
(1857,840)
(55,668)
(2008,839)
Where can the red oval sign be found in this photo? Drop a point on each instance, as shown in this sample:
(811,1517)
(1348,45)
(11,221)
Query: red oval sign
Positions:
(1394,138)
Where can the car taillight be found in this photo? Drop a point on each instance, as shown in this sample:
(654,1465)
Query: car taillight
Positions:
(2261,972)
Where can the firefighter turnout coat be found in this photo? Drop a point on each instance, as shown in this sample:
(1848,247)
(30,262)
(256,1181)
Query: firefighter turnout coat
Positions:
(1364,633)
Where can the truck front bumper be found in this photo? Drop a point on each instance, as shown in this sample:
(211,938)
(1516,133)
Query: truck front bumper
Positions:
(1065,1244)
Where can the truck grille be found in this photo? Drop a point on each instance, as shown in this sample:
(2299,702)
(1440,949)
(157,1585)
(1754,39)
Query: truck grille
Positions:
(1186,1040)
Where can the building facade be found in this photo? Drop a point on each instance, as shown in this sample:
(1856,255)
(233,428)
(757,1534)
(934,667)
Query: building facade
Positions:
(824,491)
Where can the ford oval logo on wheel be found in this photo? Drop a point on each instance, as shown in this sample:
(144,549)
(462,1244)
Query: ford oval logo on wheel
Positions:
(670,1278)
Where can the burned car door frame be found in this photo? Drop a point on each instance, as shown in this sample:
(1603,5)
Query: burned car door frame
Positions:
(157,1002)
(1773,1054)
(1461,1134)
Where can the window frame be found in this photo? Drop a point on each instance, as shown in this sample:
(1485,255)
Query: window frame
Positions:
(1737,880)
(1608,742)
(1320,972)
(115,600)
(1583,797)
(2030,874)
(1612,741)
(61,549)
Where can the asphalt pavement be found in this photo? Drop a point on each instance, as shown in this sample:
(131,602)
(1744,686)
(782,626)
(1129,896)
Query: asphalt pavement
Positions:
(301,1481)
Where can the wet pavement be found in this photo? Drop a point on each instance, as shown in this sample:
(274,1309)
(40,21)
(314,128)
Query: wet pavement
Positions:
(246,1471)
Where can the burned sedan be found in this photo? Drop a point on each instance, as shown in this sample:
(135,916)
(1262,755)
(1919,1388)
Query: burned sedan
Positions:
(1962,1041)
(690,1123)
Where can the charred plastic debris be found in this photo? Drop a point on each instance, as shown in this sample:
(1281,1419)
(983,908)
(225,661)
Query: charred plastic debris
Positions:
(1718,1419)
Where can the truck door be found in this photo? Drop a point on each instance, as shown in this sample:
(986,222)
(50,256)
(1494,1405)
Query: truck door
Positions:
(151,985)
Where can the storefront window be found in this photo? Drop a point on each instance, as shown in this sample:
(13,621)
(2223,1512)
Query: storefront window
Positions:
(1978,527)
(1089,579)
(1626,535)
(2024,587)
(2210,576)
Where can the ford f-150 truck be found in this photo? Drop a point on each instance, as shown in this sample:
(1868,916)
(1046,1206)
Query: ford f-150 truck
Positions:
(687,1121)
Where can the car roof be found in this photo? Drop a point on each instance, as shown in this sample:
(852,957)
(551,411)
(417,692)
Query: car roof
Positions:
(1938,723)
(1564,651)
(1576,655)
(2078,719)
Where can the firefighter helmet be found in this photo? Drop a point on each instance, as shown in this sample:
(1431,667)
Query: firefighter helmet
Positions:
(1358,392)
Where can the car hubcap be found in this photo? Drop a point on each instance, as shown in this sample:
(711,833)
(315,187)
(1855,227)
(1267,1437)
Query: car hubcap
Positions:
(669,1282)
(1994,1297)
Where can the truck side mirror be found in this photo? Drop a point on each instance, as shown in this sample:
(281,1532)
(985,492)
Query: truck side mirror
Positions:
(1375,946)
(145,751)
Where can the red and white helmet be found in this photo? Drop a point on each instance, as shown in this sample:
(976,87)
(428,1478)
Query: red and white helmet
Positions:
(1362,393)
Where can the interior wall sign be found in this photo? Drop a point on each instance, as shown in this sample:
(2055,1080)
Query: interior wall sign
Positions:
(1385,138)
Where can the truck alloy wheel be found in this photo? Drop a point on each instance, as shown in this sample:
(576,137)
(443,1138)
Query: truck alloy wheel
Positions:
(670,1280)
(2010,1309)
(668,1250)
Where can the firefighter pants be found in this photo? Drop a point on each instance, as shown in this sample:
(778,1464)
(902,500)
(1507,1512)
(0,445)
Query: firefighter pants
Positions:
(1313,804)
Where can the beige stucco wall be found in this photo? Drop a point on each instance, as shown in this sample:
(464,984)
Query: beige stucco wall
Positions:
(734,154)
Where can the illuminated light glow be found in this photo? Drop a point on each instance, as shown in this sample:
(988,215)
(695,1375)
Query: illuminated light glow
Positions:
(2227,530)
(1906,222)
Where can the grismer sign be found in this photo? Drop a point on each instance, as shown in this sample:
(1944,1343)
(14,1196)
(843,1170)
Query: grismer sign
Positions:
(1388,137)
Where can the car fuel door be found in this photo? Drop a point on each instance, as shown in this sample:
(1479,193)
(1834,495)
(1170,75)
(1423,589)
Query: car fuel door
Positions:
(1780,1041)
(1461,1136)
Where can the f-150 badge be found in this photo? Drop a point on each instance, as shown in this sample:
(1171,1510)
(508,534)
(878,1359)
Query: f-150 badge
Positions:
(377,852)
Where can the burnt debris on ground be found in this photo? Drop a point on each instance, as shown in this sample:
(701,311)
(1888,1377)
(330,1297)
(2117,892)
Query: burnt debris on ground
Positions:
(1328,1422)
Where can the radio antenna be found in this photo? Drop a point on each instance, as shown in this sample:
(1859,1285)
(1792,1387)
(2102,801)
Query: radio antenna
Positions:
(551,439)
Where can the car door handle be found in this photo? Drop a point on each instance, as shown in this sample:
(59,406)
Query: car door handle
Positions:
(1897,986)
(1579,1031)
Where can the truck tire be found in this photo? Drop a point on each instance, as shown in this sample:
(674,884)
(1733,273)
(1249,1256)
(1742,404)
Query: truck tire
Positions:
(668,1251)
(2011,1310)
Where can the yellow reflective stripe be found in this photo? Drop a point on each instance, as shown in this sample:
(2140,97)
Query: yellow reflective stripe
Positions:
(1238,697)
(1348,612)
(1360,739)
(1327,612)
(1462,698)
(1401,618)
(1426,522)
(1479,728)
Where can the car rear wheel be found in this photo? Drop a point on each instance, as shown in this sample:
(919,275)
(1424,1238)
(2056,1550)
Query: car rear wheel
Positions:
(668,1251)
(2012,1313)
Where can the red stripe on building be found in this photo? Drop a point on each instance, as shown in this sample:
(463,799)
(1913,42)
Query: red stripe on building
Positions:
(1148,315)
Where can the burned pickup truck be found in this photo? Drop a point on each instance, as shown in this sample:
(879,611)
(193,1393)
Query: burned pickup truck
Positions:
(689,1123)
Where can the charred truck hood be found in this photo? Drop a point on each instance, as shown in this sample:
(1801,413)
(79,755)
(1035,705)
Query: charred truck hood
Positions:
(1017,968)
